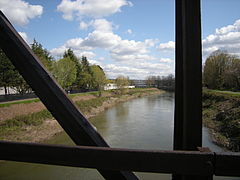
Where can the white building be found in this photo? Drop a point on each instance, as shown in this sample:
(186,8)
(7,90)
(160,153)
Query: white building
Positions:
(9,90)
(111,86)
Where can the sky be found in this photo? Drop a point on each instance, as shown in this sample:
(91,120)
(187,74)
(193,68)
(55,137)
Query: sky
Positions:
(134,38)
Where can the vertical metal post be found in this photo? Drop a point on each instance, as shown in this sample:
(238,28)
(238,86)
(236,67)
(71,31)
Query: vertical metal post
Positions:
(178,111)
(192,74)
(188,103)
(188,91)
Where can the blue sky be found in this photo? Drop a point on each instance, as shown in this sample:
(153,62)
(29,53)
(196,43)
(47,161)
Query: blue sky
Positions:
(134,38)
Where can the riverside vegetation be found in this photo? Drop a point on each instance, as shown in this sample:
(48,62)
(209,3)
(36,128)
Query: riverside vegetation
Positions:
(221,104)
(37,124)
(221,114)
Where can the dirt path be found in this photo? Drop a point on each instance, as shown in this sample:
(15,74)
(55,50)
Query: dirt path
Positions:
(20,109)
(24,109)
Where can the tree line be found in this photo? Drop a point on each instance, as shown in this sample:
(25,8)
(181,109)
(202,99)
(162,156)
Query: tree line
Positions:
(70,71)
(161,82)
(222,71)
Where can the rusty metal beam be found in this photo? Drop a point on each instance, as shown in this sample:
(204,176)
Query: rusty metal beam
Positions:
(188,162)
(51,94)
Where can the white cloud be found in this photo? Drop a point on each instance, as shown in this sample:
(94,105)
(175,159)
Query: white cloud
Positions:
(129,31)
(225,38)
(169,46)
(125,47)
(229,28)
(77,43)
(137,70)
(131,57)
(58,51)
(151,42)
(95,62)
(166,60)
(20,12)
(89,54)
(101,39)
(102,25)
(83,25)
(97,24)
(101,59)
(113,71)
(90,8)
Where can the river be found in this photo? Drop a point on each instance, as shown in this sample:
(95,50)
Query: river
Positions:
(143,123)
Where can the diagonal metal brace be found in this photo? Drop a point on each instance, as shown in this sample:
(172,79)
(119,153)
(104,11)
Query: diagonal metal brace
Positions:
(51,94)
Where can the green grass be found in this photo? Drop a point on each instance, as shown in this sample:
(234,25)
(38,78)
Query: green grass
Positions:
(16,123)
(95,93)
(19,102)
(223,92)
(86,106)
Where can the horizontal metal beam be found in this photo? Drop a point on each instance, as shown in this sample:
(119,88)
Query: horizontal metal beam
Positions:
(227,164)
(180,162)
(177,162)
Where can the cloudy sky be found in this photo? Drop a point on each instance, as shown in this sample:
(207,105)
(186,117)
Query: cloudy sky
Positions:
(135,38)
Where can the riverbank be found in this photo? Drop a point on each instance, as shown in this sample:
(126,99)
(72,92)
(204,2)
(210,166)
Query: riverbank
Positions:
(221,114)
(30,121)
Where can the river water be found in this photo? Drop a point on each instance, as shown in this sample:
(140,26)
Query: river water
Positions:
(143,123)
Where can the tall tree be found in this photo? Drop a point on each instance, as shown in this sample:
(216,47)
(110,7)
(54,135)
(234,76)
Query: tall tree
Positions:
(70,54)
(65,72)
(7,72)
(221,71)
(85,77)
(43,55)
(122,82)
(85,65)
(10,77)
(20,85)
(99,78)
(151,81)
(231,76)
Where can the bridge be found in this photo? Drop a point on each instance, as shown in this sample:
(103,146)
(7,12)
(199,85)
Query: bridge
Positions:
(188,160)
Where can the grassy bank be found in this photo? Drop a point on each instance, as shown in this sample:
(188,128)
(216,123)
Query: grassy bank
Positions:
(221,113)
(40,125)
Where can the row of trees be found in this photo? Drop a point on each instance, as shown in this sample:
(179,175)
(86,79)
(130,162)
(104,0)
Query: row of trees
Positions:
(222,71)
(70,71)
(162,82)
(73,73)
(10,77)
